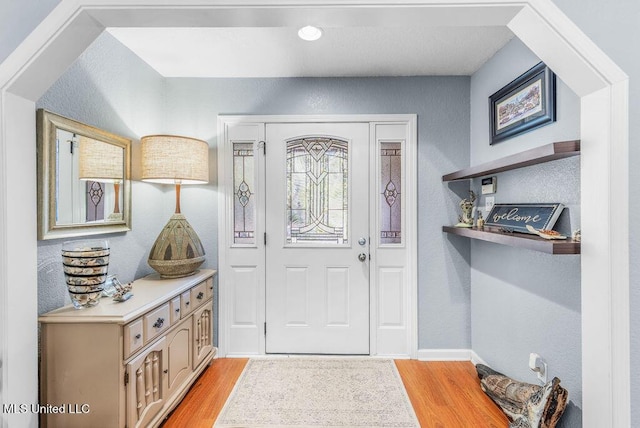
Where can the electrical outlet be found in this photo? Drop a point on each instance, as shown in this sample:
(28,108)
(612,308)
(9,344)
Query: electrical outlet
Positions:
(538,365)
(489,202)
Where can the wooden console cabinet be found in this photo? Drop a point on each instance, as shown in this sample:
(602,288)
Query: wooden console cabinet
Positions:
(126,364)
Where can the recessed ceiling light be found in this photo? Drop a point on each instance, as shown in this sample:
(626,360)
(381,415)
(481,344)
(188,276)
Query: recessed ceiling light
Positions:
(309,33)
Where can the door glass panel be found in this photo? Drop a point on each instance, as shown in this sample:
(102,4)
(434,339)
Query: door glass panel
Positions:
(244,207)
(390,193)
(95,200)
(317,191)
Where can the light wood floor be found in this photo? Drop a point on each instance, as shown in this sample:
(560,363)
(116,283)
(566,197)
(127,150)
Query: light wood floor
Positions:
(443,394)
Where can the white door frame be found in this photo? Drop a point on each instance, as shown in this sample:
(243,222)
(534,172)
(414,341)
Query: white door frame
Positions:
(603,87)
(241,273)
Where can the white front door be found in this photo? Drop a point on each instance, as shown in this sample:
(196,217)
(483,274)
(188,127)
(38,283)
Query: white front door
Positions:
(304,290)
(317,238)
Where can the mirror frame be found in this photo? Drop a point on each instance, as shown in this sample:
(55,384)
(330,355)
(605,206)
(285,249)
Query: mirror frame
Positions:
(47,124)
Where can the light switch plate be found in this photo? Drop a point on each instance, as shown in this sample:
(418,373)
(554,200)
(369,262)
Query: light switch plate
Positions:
(489,202)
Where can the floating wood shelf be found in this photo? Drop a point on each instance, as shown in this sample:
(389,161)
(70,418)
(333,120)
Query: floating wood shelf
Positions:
(534,156)
(522,240)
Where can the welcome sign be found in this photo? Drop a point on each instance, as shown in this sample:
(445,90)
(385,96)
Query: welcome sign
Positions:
(518,216)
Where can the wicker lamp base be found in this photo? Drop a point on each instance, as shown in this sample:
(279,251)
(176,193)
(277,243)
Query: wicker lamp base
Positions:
(177,251)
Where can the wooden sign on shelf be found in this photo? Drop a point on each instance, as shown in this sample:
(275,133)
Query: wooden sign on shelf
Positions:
(516,217)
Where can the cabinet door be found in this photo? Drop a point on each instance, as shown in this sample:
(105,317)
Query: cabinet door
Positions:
(179,356)
(146,391)
(202,332)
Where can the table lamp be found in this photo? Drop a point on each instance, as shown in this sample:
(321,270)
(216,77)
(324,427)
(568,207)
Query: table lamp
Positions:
(171,159)
(102,162)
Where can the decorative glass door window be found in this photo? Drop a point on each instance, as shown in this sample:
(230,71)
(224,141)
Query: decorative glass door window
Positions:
(244,201)
(317,191)
(390,193)
(95,201)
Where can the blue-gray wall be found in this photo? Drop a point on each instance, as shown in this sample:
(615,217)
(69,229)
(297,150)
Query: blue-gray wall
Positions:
(111,88)
(442,105)
(191,106)
(524,301)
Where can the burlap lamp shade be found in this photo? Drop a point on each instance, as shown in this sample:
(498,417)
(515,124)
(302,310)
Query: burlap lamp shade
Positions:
(102,162)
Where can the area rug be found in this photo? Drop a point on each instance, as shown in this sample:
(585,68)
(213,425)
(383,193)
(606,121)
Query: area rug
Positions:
(318,392)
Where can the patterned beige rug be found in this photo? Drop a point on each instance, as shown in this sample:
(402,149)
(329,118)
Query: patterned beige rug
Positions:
(318,392)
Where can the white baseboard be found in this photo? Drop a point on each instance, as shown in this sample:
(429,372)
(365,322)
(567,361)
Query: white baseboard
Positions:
(450,355)
(444,354)
(423,355)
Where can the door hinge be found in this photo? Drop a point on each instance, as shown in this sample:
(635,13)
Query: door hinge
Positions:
(72,143)
(265,329)
(265,238)
(263,145)
(126,378)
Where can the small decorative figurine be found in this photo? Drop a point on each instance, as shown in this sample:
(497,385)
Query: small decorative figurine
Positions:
(577,235)
(123,292)
(466,205)
(480,221)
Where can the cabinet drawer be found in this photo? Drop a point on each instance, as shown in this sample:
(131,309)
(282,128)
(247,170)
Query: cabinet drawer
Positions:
(185,303)
(209,290)
(175,310)
(133,339)
(157,321)
(198,295)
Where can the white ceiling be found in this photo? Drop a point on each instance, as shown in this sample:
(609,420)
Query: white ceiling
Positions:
(342,51)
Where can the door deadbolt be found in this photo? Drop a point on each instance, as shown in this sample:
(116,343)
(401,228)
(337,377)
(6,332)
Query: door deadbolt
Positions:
(362,241)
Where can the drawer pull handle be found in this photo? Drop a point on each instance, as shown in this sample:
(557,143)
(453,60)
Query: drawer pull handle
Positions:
(159,323)
(165,371)
(138,336)
(177,310)
(187,303)
(200,295)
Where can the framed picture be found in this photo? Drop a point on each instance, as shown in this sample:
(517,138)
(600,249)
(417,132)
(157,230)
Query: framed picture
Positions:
(526,103)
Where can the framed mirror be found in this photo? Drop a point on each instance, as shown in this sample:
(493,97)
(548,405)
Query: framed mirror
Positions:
(84,179)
